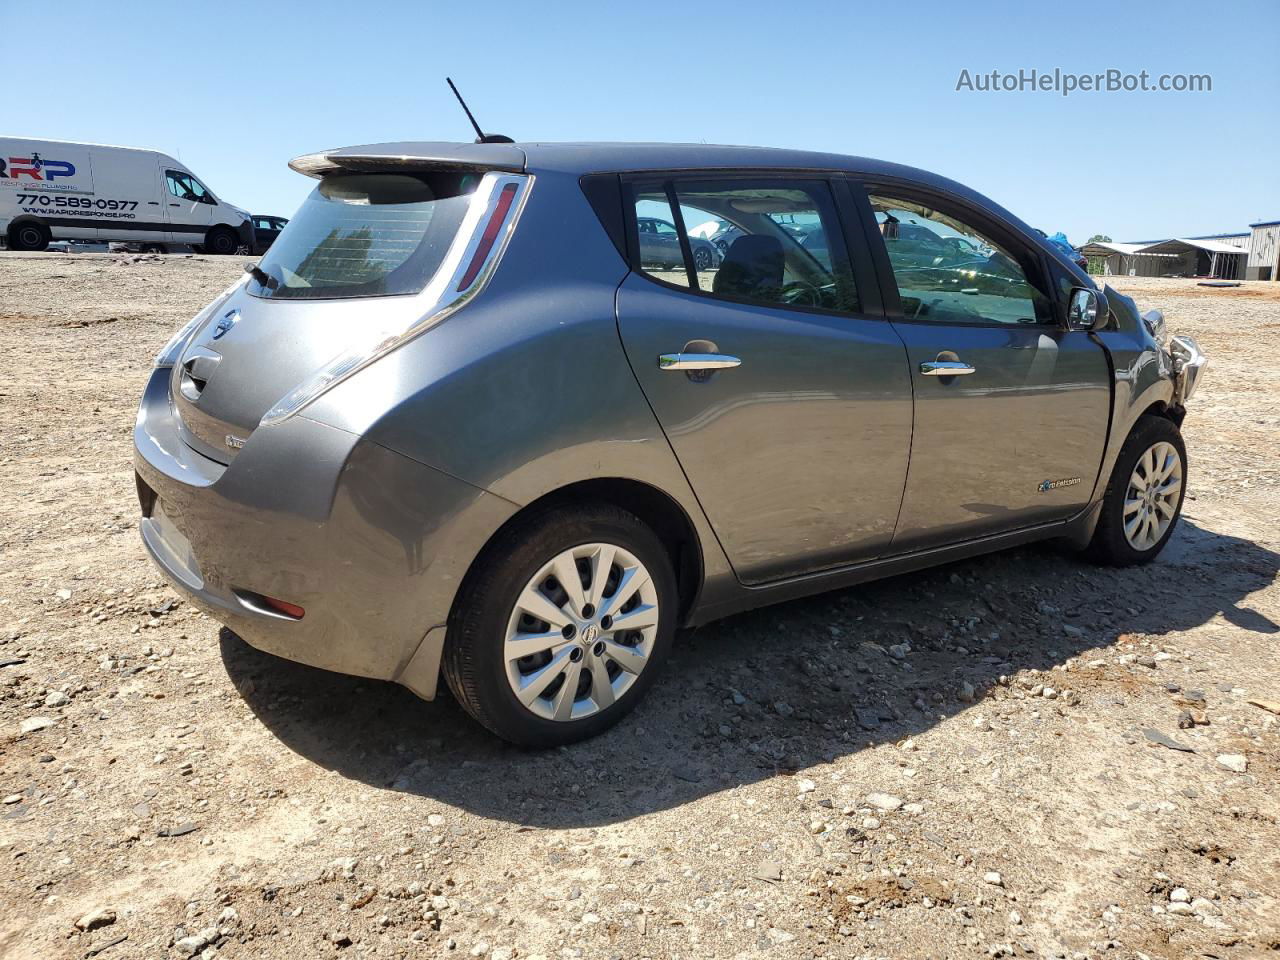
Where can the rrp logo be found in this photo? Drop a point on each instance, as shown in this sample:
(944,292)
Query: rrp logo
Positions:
(36,168)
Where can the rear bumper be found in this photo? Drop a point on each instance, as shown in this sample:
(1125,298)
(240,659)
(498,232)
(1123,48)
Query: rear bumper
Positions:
(372,545)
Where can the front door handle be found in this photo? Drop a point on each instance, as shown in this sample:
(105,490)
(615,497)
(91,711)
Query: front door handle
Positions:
(697,361)
(946,368)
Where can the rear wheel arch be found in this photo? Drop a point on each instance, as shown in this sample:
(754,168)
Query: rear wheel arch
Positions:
(654,508)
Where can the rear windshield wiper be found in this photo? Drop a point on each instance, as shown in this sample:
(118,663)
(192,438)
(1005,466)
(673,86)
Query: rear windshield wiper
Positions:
(261,276)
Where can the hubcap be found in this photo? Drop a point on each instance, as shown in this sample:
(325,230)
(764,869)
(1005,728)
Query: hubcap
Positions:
(581,632)
(1151,502)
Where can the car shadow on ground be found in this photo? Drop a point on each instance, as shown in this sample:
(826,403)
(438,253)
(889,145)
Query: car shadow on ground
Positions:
(768,692)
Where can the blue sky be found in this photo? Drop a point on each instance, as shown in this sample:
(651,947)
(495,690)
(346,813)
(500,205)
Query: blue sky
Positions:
(237,89)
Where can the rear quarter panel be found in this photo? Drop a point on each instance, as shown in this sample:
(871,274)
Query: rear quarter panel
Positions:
(527,388)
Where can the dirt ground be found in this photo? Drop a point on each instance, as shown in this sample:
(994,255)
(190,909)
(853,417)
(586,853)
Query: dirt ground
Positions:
(789,789)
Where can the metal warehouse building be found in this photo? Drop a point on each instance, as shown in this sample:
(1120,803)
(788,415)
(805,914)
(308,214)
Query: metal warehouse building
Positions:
(1220,255)
(1224,256)
(1264,251)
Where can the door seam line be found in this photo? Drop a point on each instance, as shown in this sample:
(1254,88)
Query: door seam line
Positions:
(617,326)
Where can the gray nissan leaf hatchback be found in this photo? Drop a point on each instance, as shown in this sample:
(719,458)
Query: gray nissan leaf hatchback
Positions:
(462,420)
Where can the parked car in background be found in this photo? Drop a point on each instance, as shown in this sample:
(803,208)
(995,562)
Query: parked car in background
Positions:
(78,246)
(265,231)
(465,419)
(121,246)
(60,190)
(660,245)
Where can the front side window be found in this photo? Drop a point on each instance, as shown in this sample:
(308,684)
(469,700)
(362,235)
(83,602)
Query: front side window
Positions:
(186,187)
(762,241)
(366,235)
(949,272)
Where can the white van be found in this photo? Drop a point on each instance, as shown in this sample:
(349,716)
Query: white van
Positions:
(58,190)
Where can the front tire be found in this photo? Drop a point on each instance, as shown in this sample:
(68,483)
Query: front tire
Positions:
(562,625)
(1144,496)
(221,241)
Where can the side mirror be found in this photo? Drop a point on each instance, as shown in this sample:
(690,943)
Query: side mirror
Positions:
(1088,309)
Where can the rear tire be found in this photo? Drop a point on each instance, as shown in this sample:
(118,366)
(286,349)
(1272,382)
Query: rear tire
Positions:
(221,241)
(29,235)
(1144,496)
(491,624)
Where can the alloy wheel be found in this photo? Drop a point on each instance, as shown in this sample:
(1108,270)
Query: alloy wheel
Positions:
(1151,501)
(581,632)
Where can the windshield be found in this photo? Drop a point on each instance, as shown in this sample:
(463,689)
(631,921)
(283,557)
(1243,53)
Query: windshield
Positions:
(366,235)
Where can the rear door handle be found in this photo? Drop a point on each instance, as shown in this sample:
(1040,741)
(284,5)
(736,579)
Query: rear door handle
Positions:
(697,361)
(946,368)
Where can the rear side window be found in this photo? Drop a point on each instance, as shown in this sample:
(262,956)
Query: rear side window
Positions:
(765,241)
(657,239)
(366,235)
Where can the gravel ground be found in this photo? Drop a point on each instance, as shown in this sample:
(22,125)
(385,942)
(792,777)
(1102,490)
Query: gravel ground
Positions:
(1018,755)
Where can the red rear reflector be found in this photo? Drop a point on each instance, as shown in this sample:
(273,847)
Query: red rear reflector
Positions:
(283,606)
(489,236)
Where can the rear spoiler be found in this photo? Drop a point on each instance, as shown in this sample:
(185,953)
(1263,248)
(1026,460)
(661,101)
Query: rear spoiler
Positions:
(387,157)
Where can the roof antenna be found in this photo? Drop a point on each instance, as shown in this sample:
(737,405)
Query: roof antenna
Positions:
(481,136)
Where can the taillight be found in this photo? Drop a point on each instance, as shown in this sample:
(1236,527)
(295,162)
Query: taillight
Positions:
(490,234)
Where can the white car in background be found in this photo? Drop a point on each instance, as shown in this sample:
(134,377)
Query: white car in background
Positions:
(60,190)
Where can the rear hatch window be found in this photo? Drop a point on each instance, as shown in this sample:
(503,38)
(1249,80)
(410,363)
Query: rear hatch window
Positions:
(366,235)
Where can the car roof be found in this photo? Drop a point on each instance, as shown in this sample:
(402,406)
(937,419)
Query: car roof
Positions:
(588,157)
(584,158)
